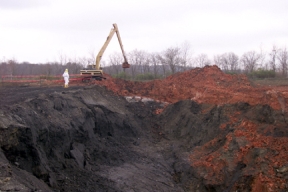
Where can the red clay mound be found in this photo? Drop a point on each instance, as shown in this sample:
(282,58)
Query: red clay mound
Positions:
(261,153)
(253,147)
(203,85)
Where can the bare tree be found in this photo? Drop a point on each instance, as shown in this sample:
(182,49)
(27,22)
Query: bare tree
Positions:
(172,58)
(163,65)
(48,69)
(227,61)
(74,67)
(57,68)
(12,66)
(84,61)
(23,68)
(202,60)
(232,61)
(251,60)
(155,63)
(135,62)
(262,59)
(283,61)
(139,61)
(92,58)
(218,61)
(103,64)
(273,57)
(115,61)
(186,55)
(146,64)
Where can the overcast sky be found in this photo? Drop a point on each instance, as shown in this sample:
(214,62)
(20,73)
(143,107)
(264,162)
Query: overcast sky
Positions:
(41,31)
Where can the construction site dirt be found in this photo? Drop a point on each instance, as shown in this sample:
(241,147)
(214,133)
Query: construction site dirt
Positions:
(199,130)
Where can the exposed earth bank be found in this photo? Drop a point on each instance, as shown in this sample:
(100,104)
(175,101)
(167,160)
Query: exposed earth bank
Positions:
(94,139)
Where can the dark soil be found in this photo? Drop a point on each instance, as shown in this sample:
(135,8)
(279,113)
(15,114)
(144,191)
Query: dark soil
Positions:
(80,139)
(89,139)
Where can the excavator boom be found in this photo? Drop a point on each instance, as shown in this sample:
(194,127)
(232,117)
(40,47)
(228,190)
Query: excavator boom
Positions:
(97,71)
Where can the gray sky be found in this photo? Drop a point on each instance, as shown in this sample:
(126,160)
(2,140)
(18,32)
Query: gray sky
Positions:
(40,31)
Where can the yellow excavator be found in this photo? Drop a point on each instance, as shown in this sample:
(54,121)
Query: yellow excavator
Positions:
(96,72)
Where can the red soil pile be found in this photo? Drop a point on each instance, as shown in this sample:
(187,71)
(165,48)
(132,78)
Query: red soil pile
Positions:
(265,157)
(203,85)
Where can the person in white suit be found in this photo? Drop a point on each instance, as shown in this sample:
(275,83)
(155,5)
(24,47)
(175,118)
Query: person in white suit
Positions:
(66,78)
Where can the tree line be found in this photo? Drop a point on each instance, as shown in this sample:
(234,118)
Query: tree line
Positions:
(145,65)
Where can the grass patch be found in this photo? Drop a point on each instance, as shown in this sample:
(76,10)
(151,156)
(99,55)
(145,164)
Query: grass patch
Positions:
(271,82)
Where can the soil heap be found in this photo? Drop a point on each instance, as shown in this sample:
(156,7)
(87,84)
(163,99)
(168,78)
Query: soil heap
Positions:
(218,133)
(203,85)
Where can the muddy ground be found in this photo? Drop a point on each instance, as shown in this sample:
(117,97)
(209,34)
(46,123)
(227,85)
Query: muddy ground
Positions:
(93,138)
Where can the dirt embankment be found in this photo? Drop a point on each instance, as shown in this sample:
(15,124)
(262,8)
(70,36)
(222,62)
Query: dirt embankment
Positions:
(218,134)
(80,139)
(203,85)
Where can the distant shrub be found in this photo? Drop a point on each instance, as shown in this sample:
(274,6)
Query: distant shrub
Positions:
(145,76)
(231,72)
(261,74)
(122,75)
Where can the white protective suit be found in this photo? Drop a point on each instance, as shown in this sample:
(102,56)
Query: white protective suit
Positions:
(66,78)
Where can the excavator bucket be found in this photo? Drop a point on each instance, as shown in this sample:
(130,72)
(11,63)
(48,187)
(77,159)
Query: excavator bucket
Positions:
(125,65)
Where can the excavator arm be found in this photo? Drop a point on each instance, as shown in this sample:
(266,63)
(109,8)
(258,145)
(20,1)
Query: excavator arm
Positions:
(97,71)
(101,52)
(125,63)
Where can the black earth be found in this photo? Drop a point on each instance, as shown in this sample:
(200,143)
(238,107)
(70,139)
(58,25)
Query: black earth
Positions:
(89,139)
